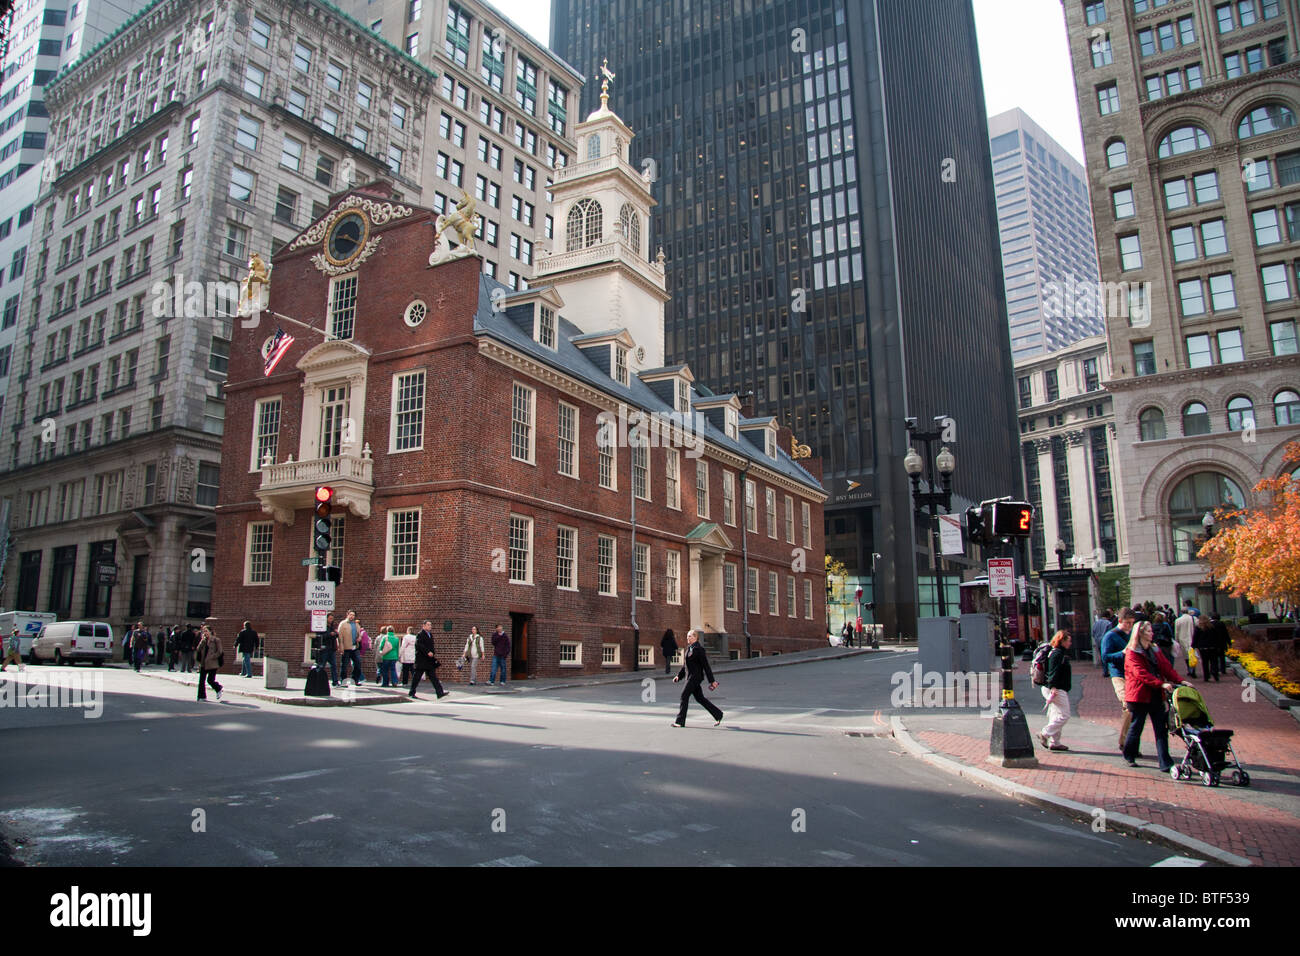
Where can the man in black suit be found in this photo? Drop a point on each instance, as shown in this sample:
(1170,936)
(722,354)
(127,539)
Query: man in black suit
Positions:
(426,662)
(695,667)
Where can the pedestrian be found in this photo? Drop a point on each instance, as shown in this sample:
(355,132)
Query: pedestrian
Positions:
(406,654)
(473,652)
(1056,692)
(668,644)
(141,645)
(1222,641)
(695,668)
(500,655)
(246,645)
(1147,678)
(1099,629)
(1112,665)
(386,649)
(1203,641)
(173,652)
(1184,631)
(349,644)
(846,635)
(211,657)
(189,640)
(426,662)
(13,651)
(329,642)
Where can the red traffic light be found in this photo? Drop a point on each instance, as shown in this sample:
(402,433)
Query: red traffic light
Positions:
(324,493)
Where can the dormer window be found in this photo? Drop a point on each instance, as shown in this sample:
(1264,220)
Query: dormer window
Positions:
(733,424)
(769,443)
(620,365)
(546,326)
(683,395)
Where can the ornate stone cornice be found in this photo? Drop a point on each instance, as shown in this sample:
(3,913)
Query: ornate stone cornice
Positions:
(376,211)
(329,269)
(1188,375)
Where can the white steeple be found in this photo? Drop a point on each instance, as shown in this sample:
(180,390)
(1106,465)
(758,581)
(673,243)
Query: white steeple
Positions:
(600,262)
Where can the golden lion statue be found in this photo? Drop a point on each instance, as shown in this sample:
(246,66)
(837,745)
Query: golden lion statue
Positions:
(463,222)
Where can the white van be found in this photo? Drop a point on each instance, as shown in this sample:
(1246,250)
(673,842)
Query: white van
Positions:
(71,641)
(29,624)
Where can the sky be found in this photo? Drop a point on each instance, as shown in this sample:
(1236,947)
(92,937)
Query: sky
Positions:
(1023,51)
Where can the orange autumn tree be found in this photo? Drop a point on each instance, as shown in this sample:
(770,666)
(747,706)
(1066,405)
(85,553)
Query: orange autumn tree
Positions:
(1257,552)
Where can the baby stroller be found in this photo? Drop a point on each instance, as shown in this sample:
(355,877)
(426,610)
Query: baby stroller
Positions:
(1209,750)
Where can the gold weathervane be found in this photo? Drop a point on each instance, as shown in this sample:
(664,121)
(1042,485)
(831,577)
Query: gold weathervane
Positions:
(604,86)
(797,450)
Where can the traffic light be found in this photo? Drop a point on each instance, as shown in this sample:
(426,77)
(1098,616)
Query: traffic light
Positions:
(333,573)
(976,530)
(1012,519)
(324,504)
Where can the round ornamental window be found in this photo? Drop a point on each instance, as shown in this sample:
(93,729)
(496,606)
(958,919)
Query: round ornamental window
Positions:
(266,347)
(415,313)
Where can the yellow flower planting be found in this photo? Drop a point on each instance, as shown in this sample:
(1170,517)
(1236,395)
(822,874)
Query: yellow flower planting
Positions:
(1263,670)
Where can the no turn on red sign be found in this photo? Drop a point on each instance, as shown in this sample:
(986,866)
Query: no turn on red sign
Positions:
(320,596)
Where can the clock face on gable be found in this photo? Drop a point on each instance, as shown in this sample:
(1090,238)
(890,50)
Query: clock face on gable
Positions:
(346,237)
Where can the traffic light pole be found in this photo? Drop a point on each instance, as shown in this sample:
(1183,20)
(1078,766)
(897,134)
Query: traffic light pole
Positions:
(1010,742)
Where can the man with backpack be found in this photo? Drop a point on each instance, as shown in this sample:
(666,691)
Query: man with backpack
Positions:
(1112,664)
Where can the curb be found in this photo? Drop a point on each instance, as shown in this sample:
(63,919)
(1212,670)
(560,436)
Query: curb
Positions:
(1269,692)
(297,699)
(1119,822)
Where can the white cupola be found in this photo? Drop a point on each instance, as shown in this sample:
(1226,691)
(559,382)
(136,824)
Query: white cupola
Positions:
(600,262)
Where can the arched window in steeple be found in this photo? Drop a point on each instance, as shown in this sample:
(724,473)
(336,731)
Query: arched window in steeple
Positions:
(583,225)
(629,225)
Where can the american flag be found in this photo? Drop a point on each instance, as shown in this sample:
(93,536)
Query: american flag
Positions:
(279,345)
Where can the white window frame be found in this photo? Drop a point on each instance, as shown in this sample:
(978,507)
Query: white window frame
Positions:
(335,283)
(769,506)
(751,591)
(570,440)
(606,456)
(612,542)
(751,507)
(256,463)
(641,462)
(389,551)
(516,423)
(641,574)
(806,519)
(773,594)
(248,555)
(701,488)
(645,655)
(566,535)
(792,607)
(394,413)
(729,499)
(573,647)
(807,600)
(605,655)
(527,524)
(730,571)
(789,519)
(673,576)
(673,478)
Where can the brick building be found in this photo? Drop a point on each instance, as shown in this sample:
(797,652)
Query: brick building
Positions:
(478,440)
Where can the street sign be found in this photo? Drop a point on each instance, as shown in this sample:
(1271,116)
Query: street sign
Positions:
(106,574)
(950,535)
(1024,588)
(320,596)
(310,562)
(318,620)
(1002,577)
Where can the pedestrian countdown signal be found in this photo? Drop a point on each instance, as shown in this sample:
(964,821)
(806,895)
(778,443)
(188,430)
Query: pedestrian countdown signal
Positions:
(1012,519)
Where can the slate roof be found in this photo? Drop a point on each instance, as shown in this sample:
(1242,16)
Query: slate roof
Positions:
(569,359)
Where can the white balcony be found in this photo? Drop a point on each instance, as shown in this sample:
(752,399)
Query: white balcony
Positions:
(290,486)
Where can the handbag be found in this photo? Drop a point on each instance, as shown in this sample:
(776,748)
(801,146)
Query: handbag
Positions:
(1192,659)
(221,659)
(460,664)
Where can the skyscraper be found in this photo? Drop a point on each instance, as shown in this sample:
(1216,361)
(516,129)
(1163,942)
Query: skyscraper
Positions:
(826,210)
(1189,121)
(1048,256)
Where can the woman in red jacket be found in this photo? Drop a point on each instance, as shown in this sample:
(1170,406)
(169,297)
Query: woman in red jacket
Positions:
(1148,676)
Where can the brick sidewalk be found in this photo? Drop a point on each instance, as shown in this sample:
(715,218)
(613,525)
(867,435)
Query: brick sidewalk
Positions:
(1266,739)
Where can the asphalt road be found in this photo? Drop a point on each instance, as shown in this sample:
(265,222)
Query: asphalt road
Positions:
(580,776)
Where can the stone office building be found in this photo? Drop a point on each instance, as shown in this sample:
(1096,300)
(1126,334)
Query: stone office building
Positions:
(478,444)
(192,137)
(1189,122)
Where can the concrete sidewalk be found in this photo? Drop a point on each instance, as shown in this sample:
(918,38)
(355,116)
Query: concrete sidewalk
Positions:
(371,693)
(1259,824)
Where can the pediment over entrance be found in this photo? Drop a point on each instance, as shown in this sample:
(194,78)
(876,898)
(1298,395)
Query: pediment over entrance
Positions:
(709,536)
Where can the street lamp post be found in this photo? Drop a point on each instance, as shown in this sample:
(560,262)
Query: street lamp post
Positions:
(1207,523)
(945,464)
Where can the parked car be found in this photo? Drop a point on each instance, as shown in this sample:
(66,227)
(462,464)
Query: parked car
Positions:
(72,641)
